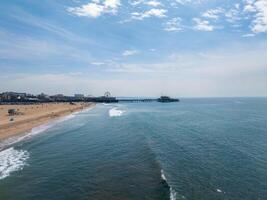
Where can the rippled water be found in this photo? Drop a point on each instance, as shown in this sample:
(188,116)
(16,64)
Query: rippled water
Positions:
(198,149)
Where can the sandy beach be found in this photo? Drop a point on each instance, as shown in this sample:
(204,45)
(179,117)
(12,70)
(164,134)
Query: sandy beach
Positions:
(27,117)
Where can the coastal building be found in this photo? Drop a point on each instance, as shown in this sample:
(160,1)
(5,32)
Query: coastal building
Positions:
(44,97)
(58,97)
(78,95)
(12,96)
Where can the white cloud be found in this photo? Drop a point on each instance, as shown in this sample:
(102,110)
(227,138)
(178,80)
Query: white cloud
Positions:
(96,8)
(259,10)
(174,25)
(249,7)
(202,25)
(260,22)
(129,52)
(136,2)
(213,13)
(153,3)
(154,12)
(114,4)
(88,10)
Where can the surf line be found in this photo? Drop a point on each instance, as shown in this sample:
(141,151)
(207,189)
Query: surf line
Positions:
(37,130)
(172,191)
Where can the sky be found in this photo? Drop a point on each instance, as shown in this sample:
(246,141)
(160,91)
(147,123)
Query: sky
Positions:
(180,48)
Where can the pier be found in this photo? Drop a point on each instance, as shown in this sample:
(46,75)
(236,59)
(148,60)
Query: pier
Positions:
(24,98)
(109,99)
(137,100)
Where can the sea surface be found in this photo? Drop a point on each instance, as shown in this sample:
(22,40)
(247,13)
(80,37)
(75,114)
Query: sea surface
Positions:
(197,149)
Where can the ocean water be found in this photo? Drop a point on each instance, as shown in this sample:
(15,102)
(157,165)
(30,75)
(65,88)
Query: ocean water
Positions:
(197,149)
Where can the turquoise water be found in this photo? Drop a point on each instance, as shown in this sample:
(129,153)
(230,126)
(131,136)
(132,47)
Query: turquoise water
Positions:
(198,149)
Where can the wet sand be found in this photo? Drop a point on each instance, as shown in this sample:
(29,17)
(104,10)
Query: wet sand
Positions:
(30,116)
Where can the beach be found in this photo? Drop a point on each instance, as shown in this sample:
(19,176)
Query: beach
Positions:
(26,117)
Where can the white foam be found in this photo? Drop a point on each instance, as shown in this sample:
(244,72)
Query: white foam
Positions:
(172,194)
(12,140)
(81,111)
(172,191)
(163,175)
(115,112)
(12,160)
(218,190)
(36,130)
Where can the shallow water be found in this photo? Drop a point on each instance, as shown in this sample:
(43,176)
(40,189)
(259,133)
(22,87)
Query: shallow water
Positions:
(198,149)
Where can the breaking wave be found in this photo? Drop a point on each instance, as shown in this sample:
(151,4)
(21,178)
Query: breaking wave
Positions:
(172,191)
(12,160)
(34,131)
(115,112)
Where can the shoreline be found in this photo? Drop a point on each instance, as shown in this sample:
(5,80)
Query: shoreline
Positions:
(32,116)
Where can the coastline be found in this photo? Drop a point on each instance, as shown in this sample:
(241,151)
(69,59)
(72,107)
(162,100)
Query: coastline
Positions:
(31,116)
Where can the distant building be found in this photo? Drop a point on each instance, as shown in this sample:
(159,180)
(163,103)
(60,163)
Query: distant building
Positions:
(58,97)
(13,96)
(43,97)
(78,95)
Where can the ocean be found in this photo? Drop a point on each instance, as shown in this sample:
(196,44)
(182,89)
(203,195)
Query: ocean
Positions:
(197,149)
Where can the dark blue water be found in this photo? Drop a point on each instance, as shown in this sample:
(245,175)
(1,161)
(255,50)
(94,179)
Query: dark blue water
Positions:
(198,149)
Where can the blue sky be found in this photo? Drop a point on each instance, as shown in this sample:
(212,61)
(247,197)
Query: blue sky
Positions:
(135,47)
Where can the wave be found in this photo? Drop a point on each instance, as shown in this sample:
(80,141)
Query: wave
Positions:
(172,191)
(219,190)
(12,160)
(36,130)
(81,111)
(115,112)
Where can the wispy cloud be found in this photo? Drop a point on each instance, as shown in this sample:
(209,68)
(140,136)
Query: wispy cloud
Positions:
(97,63)
(129,52)
(248,35)
(182,1)
(153,3)
(27,19)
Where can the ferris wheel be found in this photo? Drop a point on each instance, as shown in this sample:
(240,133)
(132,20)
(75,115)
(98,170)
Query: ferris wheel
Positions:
(107,94)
